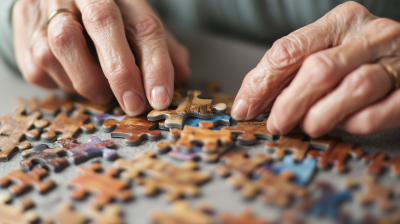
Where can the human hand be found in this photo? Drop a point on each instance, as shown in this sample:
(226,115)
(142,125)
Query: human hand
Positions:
(60,54)
(332,73)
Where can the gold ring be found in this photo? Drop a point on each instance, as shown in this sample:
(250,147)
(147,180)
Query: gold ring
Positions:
(393,76)
(56,12)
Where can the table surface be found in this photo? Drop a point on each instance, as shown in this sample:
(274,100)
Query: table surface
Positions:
(213,58)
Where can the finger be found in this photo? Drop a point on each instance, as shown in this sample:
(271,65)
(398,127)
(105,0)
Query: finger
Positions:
(147,36)
(69,46)
(278,66)
(180,59)
(322,71)
(362,87)
(104,24)
(23,24)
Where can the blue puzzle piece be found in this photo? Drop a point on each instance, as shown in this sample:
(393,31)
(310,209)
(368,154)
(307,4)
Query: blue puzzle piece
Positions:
(217,119)
(99,119)
(302,171)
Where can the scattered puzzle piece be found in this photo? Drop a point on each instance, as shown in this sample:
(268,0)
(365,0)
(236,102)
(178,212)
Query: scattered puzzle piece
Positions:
(211,140)
(99,119)
(86,106)
(190,106)
(18,214)
(289,144)
(50,158)
(103,185)
(246,217)
(217,120)
(133,129)
(66,214)
(51,105)
(92,148)
(327,203)
(303,171)
(181,213)
(67,126)
(159,175)
(109,214)
(249,131)
(373,192)
(380,161)
(23,181)
(335,153)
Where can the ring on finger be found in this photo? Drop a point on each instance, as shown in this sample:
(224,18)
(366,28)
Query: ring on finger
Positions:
(393,75)
(56,12)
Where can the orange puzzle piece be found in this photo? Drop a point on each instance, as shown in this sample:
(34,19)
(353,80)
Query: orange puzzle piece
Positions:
(246,217)
(290,143)
(380,160)
(18,214)
(182,213)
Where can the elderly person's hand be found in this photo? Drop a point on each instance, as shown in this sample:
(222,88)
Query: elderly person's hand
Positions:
(138,60)
(334,73)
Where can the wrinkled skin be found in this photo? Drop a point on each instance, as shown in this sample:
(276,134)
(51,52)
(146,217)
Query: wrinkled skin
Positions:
(329,74)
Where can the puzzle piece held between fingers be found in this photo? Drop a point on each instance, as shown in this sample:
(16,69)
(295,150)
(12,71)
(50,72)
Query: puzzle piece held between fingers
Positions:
(18,214)
(68,127)
(23,181)
(287,144)
(46,157)
(246,217)
(133,129)
(190,106)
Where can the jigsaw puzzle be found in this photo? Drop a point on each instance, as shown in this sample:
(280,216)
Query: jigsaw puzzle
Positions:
(133,129)
(99,119)
(246,217)
(20,181)
(108,214)
(103,185)
(16,214)
(289,144)
(190,106)
(51,105)
(85,106)
(66,214)
(45,157)
(217,119)
(380,161)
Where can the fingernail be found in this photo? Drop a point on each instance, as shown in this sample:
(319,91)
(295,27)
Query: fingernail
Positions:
(159,98)
(271,125)
(133,103)
(239,110)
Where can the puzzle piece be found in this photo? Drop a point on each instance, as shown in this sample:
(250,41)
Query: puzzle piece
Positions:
(190,106)
(327,203)
(159,175)
(85,106)
(228,100)
(211,140)
(246,217)
(196,153)
(217,119)
(99,119)
(92,148)
(181,213)
(18,214)
(103,185)
(289,144)
(51,105)
(50,158)
(373,192)
(276,189)
(109,214)
(67,126)
(380,161)
(66,214)
(249,131)
(335,152)
(303,171)
(23,181)
(133,129)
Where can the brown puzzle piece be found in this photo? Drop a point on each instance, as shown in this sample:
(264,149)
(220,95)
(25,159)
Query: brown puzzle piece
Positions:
(246,217)
(182,214)
(335,152)
(18,214)
(249,131)
(286,144)
(51,105)
(190,106)
(109,214)
(86,106)
(103,185)
(23,181)
(211,140)
(46,157)
(66,214)
(373,192)
(380,160)
(133,129)
(159,175)
(276,189)
(67,126)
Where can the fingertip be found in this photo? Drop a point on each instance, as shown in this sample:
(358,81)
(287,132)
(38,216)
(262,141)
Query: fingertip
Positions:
(239,110)
(271,125)
(160,98)
(133,103)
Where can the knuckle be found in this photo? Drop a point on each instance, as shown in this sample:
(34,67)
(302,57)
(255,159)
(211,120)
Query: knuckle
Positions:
(361,83)
(320,68)
(284,53)
(119,74)
(35,77)
(63,33)
(100,13)
(148,26)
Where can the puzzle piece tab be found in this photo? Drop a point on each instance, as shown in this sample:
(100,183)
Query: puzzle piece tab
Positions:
(246,217)
(380,161)
(288,144)
(159,175)
(133,129)
(46,157)
(94,147)
(68,127)
(23,181)
(18,214)
(103,185)
(181,213)
(190,106)
(51,105)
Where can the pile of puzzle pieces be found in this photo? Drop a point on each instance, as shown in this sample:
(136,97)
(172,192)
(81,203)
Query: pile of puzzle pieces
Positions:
(200,132)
